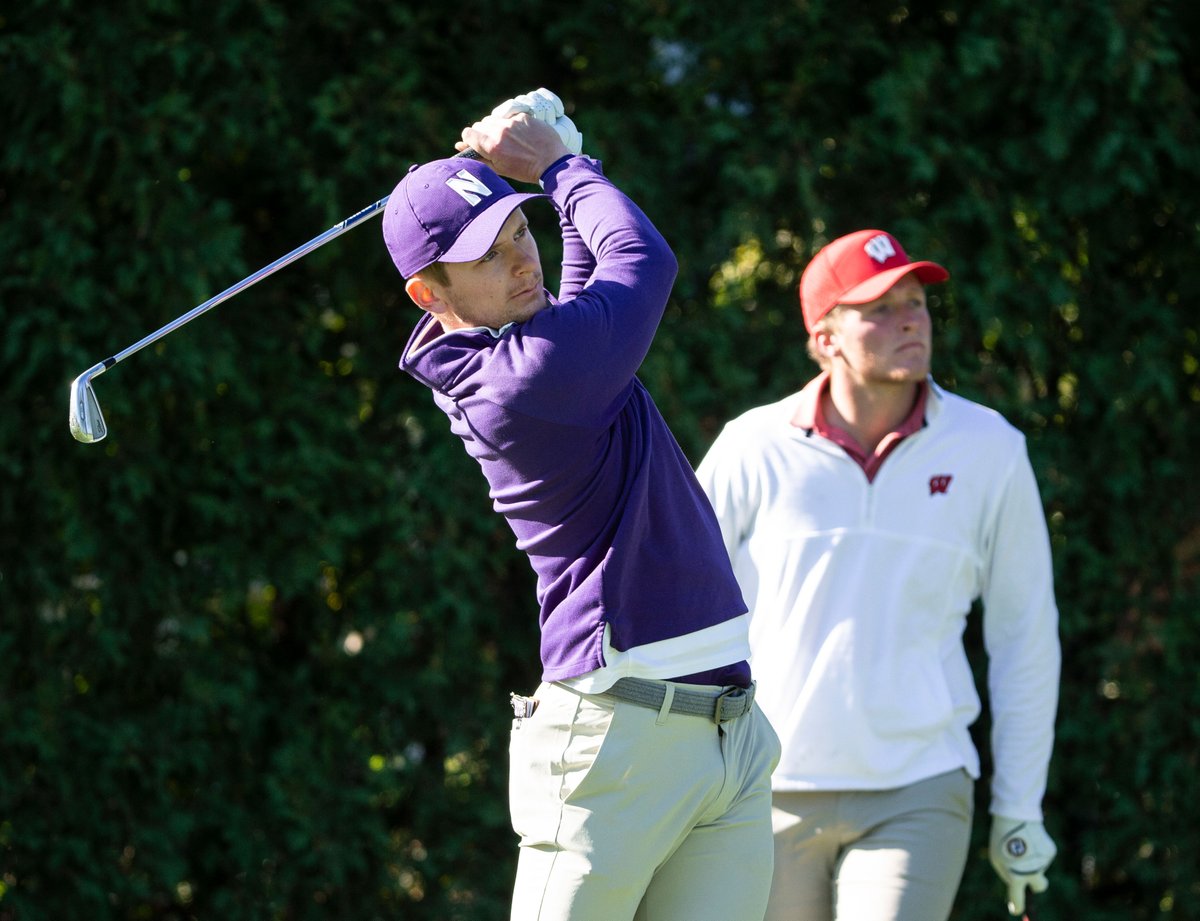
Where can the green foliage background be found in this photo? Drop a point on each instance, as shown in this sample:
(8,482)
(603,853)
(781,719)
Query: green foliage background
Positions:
(256,646)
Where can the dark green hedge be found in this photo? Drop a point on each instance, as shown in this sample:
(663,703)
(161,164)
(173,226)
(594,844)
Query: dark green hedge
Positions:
(256,645)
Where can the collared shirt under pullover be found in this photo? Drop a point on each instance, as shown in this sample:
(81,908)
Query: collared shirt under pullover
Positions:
(859,592)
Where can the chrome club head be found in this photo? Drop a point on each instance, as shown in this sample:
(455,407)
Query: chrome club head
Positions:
(87,422)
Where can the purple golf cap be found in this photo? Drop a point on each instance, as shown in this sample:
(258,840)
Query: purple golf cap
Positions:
(447,211)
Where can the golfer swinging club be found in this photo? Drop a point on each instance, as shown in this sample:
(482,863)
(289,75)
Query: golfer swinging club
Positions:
(640,767)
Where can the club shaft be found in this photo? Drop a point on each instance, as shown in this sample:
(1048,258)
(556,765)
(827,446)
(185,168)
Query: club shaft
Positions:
(315,243)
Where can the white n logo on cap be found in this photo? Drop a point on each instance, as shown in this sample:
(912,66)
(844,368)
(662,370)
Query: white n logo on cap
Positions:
(467,186)
(880,248)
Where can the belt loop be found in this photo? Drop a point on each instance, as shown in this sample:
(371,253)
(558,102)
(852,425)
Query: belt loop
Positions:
(668,698)
(729,696)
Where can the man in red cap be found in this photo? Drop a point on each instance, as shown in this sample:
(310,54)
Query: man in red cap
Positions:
(865,516)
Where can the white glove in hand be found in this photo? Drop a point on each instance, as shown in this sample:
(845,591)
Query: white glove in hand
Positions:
(541,104)
(545,107)
(569,134)
(1020,852)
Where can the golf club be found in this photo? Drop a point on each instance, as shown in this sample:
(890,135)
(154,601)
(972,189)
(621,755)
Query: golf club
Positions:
(86,419)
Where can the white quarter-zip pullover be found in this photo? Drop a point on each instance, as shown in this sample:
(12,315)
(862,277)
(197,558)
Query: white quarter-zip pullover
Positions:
(859,593)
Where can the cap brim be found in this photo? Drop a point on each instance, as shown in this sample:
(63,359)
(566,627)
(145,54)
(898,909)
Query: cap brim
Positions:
(478,236)
(877,286)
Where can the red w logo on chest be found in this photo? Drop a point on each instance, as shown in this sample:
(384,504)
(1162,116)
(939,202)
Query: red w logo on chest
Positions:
(939,484)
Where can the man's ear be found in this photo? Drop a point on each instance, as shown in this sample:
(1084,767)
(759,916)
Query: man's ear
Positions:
(422,294)
(826,342)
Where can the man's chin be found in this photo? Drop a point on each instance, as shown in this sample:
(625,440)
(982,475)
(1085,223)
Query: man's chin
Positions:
(534,302)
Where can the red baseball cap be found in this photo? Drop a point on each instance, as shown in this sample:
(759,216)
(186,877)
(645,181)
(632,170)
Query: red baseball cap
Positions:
(857,269)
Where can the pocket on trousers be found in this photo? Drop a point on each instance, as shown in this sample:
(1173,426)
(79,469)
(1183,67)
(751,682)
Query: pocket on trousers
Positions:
(585,739)
(550,755)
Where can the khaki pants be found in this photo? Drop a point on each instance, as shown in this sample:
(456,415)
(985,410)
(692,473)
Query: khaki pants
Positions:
(624,812)
(877,855)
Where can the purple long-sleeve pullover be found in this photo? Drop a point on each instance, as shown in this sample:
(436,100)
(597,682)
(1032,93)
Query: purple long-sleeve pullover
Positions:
(579,459)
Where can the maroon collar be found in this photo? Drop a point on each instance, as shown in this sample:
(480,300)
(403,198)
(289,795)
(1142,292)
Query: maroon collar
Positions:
(809,415)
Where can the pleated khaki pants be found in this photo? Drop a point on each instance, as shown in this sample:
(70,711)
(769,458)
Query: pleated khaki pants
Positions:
(626,813)
(876,855)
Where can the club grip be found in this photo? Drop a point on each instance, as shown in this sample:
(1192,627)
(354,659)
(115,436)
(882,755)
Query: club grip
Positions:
(469,154)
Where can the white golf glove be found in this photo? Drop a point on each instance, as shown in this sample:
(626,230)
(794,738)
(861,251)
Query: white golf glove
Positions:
(1020,852)
(545,107)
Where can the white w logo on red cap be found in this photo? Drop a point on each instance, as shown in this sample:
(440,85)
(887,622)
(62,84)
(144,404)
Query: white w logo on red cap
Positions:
(880,248)
(467,186)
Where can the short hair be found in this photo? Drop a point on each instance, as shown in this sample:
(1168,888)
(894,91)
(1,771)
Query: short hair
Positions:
(828,321)
(437,271)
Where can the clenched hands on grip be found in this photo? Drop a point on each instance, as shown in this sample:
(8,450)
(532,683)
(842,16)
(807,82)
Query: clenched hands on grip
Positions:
(544,106)
(524,135)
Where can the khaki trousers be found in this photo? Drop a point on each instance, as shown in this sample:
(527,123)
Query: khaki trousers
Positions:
(878,855)
(625,812)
